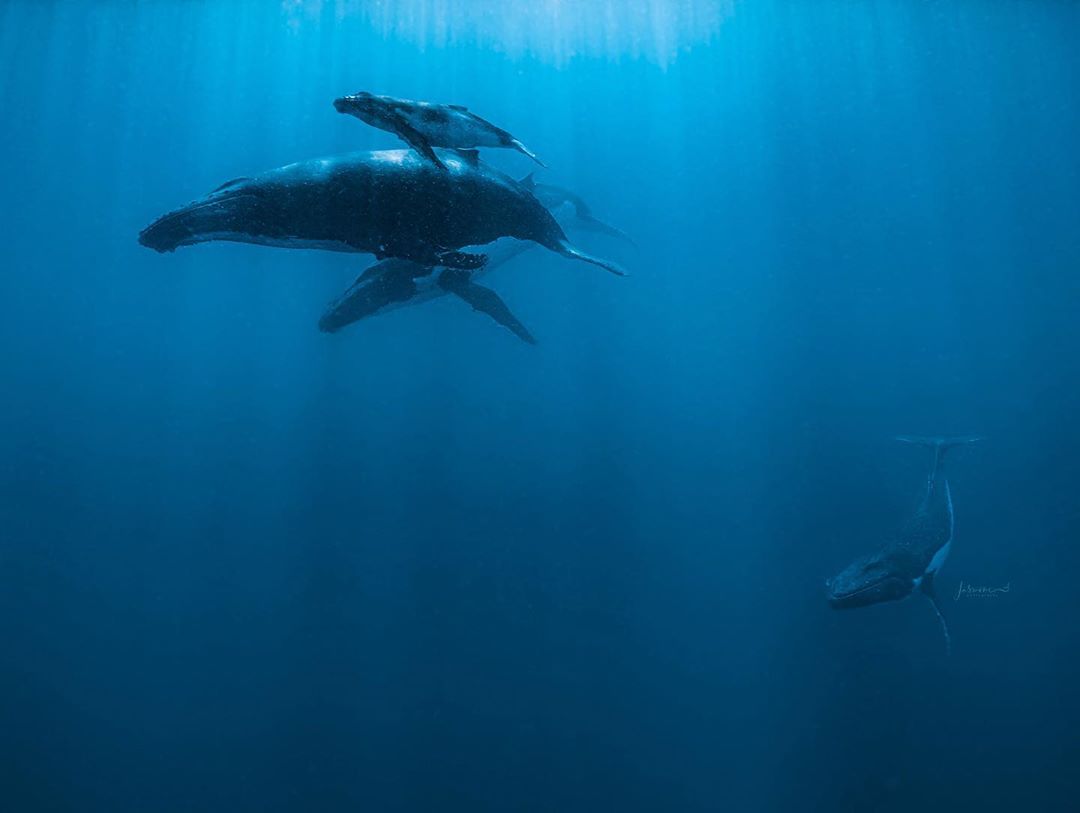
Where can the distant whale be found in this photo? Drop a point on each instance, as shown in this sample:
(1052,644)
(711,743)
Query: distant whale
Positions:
(389,203)
(424,125)
(911,561)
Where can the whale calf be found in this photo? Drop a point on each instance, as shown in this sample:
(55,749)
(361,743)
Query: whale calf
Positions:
(390,203)
(911,560)
(424,125)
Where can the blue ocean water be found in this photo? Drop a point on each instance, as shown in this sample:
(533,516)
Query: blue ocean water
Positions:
(420,565)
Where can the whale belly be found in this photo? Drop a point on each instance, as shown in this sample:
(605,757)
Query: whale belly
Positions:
(943,552)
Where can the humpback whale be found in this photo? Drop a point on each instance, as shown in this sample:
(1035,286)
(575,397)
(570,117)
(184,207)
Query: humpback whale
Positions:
(912,559)
(390,203)
(423,125)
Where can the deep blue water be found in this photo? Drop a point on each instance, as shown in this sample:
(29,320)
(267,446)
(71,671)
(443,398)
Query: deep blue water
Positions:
(420,565)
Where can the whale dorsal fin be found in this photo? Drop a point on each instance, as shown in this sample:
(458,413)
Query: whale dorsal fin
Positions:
(472,157)
(460,107)
(227,184)
(528,181)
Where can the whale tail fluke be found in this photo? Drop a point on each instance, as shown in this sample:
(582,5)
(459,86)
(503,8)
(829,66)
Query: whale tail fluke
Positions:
(567,250)
(940,445)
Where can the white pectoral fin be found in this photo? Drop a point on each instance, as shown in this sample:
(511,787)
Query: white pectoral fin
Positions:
(944,624)
(939,558)
(927,586)
(943,552)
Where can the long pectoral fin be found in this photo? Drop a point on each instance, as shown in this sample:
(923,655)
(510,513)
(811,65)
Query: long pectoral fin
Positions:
(567,250)
(484,300)
(927,586)
(415,139)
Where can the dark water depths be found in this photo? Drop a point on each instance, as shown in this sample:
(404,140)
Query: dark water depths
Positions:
(420,565)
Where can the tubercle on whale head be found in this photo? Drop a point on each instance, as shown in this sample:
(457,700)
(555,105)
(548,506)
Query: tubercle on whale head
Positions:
(213,217)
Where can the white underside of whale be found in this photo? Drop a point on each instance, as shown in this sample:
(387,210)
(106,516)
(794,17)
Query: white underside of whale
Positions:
(275,242)
(943,552)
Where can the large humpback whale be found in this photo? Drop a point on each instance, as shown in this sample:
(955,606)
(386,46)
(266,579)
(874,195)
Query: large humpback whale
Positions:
(424,125)
(911,560)
(390,203)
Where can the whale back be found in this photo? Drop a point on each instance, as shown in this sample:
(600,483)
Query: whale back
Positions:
(364,202)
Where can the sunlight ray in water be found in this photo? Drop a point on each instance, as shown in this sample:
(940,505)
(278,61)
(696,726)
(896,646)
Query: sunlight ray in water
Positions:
(337,472)
(553,31)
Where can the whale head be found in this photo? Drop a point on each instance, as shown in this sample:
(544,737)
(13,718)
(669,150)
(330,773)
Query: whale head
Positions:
(237,210)
(365,106)
(868,580)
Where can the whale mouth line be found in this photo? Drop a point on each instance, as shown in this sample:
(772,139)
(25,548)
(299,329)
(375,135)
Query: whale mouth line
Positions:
(833,596)
(199,221)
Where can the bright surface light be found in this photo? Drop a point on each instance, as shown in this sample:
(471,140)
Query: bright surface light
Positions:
(554,31)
